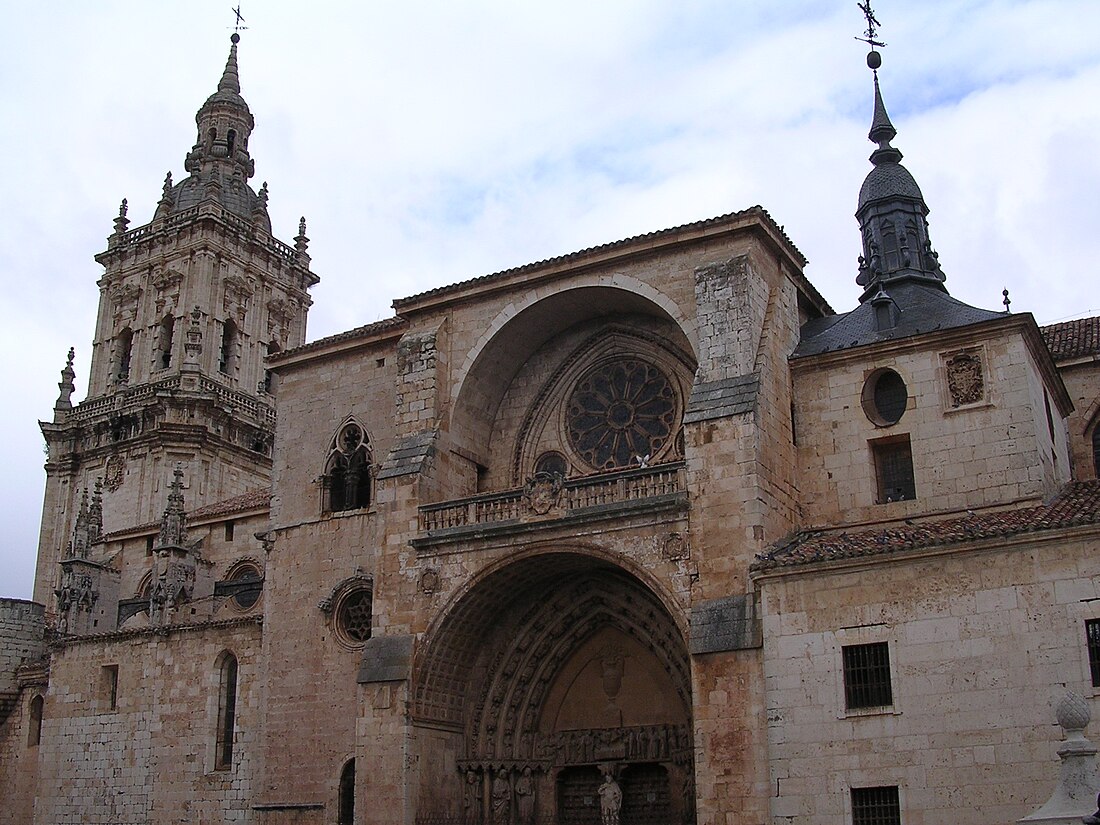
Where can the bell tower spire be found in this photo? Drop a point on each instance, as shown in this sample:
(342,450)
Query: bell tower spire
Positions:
(190,305)
(891,212)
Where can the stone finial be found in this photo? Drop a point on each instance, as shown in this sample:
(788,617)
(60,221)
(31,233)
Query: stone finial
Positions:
(1007,301)
(263,195)
(121,222)
(66,385)
(173,532)
(192,345)
(95,513)
(78,547)
(1071,802)
(301,241)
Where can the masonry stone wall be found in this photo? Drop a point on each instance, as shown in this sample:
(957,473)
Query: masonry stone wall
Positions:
(22,638)
(983,642)
(22,642)
(1083,383)
(313,403)
(990,451)
(310,706)
(210,475)
(151,758)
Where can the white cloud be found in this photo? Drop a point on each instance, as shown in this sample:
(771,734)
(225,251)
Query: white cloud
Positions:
(431,142)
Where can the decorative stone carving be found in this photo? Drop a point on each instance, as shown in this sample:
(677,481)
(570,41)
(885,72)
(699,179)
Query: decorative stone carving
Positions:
(471,797)
(167,286)
(543,491)
(124,300)
(280,312)
(611,800)
(675,547)
(238,296)
(114,472)
(965,381)
(621,414)
(429,581)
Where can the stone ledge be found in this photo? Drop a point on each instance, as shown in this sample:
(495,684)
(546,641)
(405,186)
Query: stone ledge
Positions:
(729,623)
(723,398)
(386,659)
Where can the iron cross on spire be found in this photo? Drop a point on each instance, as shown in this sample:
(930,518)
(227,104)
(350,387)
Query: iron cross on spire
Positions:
(237,13)
(870,36)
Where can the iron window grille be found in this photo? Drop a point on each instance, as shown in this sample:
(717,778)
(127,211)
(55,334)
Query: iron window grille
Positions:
(1092,635)
(876,806)
(894,470)
(867,676)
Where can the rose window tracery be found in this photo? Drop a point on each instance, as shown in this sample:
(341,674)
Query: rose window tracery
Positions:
(621,413)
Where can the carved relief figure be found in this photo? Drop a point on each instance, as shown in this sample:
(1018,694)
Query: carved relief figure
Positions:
(472,797)
(502,799)
(525,797)
(611,800)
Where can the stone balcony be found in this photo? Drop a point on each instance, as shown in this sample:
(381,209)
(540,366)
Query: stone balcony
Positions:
(548,501)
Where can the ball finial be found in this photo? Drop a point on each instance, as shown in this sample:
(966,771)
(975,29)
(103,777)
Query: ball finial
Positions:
(236,38)
(874,59)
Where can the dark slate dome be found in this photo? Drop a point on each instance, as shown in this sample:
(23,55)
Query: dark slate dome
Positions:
(887,181)
(233,193)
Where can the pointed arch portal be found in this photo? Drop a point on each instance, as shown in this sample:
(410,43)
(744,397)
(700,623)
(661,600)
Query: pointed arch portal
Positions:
(548,674)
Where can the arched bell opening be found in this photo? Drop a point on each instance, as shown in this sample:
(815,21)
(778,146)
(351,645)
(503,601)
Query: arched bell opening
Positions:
(553,672)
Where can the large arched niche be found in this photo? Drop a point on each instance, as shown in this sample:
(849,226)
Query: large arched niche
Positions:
(518,332)
(550,671)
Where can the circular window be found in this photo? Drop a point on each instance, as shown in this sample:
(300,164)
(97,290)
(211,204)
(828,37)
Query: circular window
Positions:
(552,462)
(249,592)
(885,397)
(353,616)
(621,414)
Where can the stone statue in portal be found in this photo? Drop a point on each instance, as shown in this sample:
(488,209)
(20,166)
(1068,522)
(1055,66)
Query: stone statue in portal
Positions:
(611,800)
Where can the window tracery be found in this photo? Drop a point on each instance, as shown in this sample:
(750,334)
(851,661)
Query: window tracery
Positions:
(347,478)
(621,413)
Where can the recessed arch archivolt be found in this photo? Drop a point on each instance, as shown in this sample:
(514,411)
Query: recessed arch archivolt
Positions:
(523,326)
(590,588)
(553,666)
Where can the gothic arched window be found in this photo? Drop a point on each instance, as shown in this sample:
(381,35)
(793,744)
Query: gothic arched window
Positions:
(34,733)
(227,352)
(227,711)
(125,347)
(164,342)
(347,481)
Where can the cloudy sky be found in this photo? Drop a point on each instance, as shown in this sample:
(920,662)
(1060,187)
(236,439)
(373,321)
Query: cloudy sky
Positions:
(429,142)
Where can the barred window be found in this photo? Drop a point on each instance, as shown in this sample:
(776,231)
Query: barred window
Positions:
(894,469)
(867,676)
(876,806)
(1092,635)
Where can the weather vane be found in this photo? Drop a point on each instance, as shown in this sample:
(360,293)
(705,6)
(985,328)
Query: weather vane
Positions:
(238,27)
(870,36)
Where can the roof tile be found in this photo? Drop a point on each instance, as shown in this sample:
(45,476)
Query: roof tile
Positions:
(1077,504)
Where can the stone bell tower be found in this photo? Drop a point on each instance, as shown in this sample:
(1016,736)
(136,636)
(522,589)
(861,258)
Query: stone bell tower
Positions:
(190,305)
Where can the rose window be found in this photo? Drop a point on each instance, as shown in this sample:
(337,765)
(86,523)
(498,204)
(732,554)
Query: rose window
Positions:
(353,616)
(621,414)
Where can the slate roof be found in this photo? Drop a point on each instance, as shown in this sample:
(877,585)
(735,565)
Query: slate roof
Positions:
(1077,504)
(922,308)
(1073,339)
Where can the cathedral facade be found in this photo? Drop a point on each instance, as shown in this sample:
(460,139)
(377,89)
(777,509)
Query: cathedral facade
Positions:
(645,533)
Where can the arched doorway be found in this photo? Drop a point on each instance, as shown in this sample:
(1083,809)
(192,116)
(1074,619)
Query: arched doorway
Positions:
(550,675)
(345,802)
